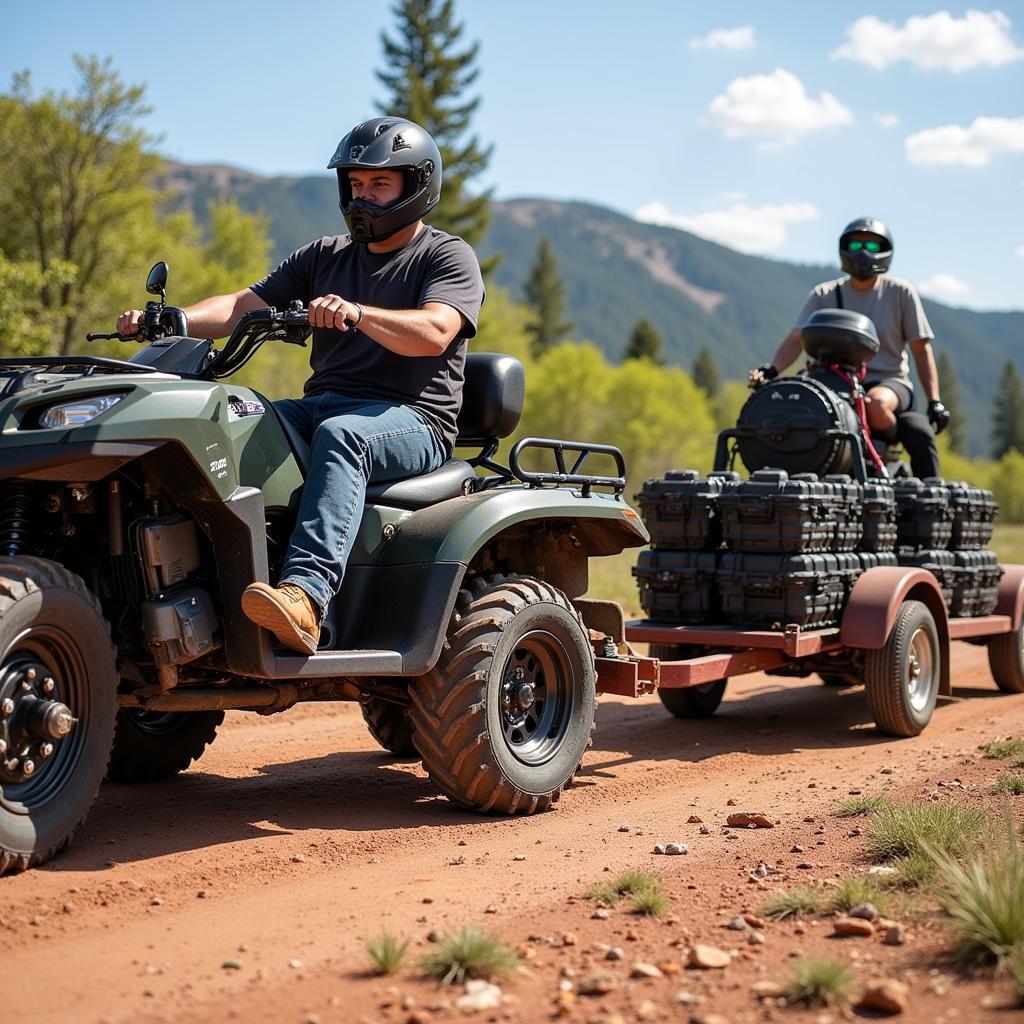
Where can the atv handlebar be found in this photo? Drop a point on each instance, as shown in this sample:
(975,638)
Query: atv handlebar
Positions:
(253,329)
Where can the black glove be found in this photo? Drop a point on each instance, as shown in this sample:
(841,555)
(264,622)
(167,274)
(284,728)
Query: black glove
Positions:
(938,416)
(761,375)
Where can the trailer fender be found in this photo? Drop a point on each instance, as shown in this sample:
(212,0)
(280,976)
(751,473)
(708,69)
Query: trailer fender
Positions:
(1010,599)
(875,601)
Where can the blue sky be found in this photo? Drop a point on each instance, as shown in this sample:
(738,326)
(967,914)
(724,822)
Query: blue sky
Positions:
(766,127)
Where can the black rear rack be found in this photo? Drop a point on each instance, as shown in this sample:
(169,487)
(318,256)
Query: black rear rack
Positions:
(573,474)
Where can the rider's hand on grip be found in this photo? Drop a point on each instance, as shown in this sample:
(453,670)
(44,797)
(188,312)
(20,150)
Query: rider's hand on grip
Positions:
(761,375)
(128,322)
(938,416)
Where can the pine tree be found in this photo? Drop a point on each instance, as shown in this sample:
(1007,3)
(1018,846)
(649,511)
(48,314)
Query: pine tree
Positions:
(645,343)
(426,77)
(545,295)
(950,392)
(705,373)
(1008,413)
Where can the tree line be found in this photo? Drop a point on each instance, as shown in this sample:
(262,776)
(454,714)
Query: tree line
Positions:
(84,212)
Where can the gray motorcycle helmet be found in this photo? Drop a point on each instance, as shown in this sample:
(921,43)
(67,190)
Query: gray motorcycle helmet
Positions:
(393,144)
(863,264)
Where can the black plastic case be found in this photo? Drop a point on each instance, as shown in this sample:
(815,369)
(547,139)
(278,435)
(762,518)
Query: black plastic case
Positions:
(924,518)
(773,512)
(878,517)
(939,562)
(681,509)
(771,591)
(870,559)
(976,586)
(974,513)
(677,586)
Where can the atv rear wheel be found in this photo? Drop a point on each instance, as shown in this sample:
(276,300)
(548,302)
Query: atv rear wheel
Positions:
(1006,660)
(692,701)
(503,720)
(389,725)
(58,700)
(154,745)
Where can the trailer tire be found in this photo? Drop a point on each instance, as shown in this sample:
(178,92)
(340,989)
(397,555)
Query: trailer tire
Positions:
(390,726)
(1006,660)
(902,677)
(693,701)
(503,720)
(150,746)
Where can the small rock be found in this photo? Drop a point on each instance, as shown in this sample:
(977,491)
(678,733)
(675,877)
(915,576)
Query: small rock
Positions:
(623,828)
(295,965)
(887,771)
(704,830)
(749,819)
(756,938)
(156,902)
(685,998)
(298,859)
(675,849)
(767,989)
(737,924)
(599,983)
(796,848)
(490,909)
(693,820)
(707,957)
(882,871)
(615,953)
(644,970)
(868,911)
(201,894)
(647,1011)
(569,938)
(709,1018)
(479,995)
(659,848)
(754,921)
(601,914)
(68,908)
(730,802)
(805,865)
(519,856)
(887,996)
(852,926)
(232,965)
(895,936)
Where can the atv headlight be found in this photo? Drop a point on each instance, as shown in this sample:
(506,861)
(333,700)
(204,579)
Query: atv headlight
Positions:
(74,414)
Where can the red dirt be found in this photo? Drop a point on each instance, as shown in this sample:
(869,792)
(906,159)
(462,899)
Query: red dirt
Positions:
(295,837)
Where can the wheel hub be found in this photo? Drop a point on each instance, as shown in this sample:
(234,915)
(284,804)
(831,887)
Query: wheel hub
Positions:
(33,721)
(518,695)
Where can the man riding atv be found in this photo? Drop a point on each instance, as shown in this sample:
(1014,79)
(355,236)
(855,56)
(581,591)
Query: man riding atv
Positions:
(392,305)
(865,252)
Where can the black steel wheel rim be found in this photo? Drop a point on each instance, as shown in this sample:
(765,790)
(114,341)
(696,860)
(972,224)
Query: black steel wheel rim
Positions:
(54,652)
(537,697)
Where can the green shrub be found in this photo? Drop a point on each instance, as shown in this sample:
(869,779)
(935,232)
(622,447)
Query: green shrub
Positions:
(1003,748)
(819,981)
(801,899)
(857,805)
(1011,784)
(469,952)
(386,952)
(923,827)
(856,889)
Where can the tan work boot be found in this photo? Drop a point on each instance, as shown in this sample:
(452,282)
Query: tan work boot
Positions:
(287,611)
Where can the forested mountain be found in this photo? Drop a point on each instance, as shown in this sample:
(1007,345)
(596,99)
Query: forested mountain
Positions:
(616,270)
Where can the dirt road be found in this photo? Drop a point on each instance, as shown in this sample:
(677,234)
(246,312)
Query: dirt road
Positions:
(294,837)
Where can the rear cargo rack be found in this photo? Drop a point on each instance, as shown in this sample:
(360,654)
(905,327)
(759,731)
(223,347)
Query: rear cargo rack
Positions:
(573,474)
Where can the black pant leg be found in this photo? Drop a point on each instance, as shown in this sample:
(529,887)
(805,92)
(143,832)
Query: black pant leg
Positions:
(915,433)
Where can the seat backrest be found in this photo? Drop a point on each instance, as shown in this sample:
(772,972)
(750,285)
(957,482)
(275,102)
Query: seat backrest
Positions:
(492,398)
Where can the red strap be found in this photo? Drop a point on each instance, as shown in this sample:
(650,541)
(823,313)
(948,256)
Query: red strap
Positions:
(862,412)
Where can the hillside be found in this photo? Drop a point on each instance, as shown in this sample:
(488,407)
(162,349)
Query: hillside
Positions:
(616,270)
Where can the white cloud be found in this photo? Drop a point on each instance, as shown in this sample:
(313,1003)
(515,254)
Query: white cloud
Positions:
(886,120)
(774,106)
(739,226)
(726,39)
(936,42)
(945,286)
(973,146)
(1020,251)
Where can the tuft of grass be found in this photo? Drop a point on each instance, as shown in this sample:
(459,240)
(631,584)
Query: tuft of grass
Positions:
(914,872)
(819,981)
(649,902)
(857,805)
(856,889)
(984,896)
(1014,967)
(386,952)
(922,827)
(629,883)
(1003,748)
(1012,784)
(801,899)
(469,952)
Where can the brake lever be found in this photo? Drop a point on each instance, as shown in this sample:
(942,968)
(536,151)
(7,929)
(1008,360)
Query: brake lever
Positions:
(115,337)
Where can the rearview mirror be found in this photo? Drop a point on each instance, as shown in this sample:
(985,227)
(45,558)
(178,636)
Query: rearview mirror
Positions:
(156,283)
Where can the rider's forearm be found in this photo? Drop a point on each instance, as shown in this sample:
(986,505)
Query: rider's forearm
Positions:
(788,350)
(924,359)
(217,316)
(410,332)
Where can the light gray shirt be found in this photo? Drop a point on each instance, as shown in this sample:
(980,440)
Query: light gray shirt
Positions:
(894,307)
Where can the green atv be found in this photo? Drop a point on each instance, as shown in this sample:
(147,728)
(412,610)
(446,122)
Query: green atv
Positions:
(138,498)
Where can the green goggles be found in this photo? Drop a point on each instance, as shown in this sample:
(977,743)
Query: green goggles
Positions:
(871,245)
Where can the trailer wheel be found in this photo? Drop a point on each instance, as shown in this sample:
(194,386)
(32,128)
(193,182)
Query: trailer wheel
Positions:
(389,725)
(1006,660)
(58,699)
(503,720)
(693,701)
(902,678)
(153,745)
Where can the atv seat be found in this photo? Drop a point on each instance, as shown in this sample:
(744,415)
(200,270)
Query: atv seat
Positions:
(492,403)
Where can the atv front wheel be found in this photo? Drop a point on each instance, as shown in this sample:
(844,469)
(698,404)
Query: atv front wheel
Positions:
(389,725)
(503,720)
(58,700)
(154,745)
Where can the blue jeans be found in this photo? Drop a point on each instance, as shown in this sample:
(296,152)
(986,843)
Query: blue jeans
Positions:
(352,442)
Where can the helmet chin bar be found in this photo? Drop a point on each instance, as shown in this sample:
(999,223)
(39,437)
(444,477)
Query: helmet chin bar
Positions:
(372,222)
(864,265)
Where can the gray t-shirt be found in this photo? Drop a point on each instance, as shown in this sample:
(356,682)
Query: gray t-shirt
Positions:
(433,267)
(894,307)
